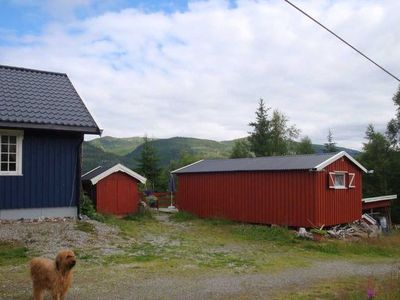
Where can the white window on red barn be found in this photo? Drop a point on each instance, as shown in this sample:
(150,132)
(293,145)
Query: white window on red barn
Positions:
(337,180)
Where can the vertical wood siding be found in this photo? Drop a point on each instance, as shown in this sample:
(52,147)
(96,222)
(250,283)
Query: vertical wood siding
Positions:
(49,166)
(117,194)
(336,206)
(284,198)
(293,198)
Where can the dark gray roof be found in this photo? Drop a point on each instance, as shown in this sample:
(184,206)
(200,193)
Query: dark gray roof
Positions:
(41,99)
(270,163)
(96,171)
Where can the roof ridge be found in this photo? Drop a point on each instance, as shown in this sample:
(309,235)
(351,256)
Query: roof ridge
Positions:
(276,156)
(31,70)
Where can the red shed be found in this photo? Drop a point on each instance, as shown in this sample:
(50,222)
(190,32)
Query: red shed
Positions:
(298,190)
(114,190)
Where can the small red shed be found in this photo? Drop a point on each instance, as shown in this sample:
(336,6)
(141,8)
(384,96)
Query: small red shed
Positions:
(297,190)
(114,190)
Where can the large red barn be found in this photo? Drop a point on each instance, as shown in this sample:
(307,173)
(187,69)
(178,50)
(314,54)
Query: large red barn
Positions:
(114,190)
(298,190)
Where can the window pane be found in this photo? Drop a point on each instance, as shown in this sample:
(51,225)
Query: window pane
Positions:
(12,158)
(339,180)
(3,167)
(12,167)
(4,148)
(4,139)
(13,139)
(13,149)
(4,157)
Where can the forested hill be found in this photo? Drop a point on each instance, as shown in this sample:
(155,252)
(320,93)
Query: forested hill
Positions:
(109,150)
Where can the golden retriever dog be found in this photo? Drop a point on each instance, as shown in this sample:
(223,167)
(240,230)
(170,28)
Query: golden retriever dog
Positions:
(53,276)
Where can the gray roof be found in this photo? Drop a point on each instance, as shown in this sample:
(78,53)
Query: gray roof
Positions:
(96,171)
(41,99)
(270,163)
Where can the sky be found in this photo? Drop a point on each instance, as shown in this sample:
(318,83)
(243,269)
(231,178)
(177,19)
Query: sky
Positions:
(199,68)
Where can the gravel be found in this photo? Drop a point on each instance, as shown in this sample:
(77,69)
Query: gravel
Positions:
(47,236)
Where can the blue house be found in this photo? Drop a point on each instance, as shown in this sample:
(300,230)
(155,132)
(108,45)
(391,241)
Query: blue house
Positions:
(42,124)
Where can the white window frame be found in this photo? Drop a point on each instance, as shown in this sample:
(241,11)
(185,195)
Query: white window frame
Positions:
(20,137)
(351,180)
(332,180)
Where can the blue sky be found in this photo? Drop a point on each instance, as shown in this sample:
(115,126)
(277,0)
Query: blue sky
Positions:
(198,68)
(29,17)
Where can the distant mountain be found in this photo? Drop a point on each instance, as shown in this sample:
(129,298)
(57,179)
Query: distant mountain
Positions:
(118,146)
(171,149)
(94,157)
(109,150)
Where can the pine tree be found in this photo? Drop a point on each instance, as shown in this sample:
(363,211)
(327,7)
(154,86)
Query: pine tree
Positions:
(330,146)
(305,146)
(241,149)
(271,136)
(259,139)
(148,163)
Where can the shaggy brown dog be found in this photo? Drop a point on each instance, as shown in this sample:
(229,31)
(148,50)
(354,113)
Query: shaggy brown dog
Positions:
(54,276)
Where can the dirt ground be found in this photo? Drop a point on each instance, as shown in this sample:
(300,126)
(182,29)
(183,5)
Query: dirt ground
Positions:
(161,259)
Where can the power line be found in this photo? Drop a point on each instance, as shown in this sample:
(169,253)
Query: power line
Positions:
(341,39)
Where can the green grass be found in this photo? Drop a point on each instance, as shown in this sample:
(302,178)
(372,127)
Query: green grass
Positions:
(141,215)
(85,227)
(182,216)
(264,233)
(12,254)
(349,288)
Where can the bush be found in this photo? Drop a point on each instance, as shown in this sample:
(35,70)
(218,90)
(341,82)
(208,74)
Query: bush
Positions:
(87,209)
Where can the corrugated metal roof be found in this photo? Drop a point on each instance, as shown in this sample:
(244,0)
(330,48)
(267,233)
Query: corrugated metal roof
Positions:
(270,163)
(41,99)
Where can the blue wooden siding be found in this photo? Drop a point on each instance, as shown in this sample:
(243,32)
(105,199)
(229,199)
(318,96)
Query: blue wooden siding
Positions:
(49,167)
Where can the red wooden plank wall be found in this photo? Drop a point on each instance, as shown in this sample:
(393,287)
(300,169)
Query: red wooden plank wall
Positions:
(293,198)
(117,194)
(337,206)
(283,198)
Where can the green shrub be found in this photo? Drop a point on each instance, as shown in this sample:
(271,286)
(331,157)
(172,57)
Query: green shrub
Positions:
(87,208)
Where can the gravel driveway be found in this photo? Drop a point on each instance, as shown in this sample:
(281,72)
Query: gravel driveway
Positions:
(222,286)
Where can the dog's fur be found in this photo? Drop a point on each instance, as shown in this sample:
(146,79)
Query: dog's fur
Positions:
(54,276)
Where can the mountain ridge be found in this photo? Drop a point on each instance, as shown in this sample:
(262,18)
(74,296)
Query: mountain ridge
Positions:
(110,150)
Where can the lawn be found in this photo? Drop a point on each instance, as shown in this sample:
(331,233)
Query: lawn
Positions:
(186,252)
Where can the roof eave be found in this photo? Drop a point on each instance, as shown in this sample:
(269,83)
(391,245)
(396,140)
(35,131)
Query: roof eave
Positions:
(335,157)
(117,168)
(80,129)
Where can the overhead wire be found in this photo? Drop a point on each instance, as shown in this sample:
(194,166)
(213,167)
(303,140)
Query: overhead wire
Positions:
(343,40)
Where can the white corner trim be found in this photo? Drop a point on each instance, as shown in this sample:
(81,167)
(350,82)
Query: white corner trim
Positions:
(379,198)
(336,157)
(196,162)
(118,168)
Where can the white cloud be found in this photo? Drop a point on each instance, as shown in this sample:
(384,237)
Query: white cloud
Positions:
(201,72)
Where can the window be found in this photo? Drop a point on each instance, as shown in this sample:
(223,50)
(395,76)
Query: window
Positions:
(337,180)
(11,152)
